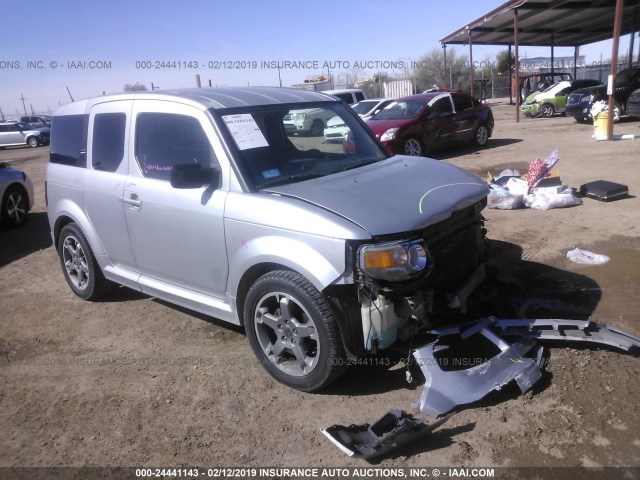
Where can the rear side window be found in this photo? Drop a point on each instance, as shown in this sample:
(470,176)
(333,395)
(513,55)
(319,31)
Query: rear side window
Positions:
(69,140)
(359,96)
(108,141)
(164,140)
(462,102)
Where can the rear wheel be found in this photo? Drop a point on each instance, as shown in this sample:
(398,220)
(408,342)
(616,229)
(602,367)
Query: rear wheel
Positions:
(481,136)
(79,265)
(413,147)
(292,330)
(14,206)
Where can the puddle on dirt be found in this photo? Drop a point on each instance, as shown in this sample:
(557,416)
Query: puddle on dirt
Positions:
(619,281)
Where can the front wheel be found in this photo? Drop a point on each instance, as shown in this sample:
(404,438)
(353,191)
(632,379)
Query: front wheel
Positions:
(32,142)
(79,265)
(292,330)
(481,136)
(547,110)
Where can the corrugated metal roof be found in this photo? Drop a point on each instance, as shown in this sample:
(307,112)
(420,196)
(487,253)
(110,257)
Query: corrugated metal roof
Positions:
(563,23)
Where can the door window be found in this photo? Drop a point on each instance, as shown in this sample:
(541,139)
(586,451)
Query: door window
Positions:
(165,140)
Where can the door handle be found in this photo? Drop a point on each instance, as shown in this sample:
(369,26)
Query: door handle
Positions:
(134,200)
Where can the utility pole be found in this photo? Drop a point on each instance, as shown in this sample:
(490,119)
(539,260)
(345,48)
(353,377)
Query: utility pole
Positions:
(23,104)
(69,92)
(1,114)
(32,112)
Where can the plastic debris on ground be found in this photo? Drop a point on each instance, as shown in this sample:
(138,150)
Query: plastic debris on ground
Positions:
(547,200)
(395,429)
(520,359)
(586,257)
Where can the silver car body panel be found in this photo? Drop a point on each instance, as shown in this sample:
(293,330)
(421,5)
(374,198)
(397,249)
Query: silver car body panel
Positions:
(356,194)
(445,390)
(553,329)
(10,176)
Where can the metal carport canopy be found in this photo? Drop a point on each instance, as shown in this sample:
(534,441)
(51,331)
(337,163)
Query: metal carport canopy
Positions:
(558,23)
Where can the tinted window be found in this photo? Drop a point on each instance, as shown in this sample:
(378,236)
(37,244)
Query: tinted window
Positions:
(462,102)
(108,141)
(165,140)
(359,96)
(442,106)
(69,140)
(346,97)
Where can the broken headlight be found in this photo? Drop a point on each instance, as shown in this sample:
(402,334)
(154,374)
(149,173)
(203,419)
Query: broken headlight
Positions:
(394,260)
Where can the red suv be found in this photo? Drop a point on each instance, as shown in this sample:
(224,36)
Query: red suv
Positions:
(414,124)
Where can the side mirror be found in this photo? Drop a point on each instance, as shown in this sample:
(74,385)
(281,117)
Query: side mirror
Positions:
(193,176)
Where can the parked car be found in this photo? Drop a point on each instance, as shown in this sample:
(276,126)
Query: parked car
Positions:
(414,124)
(16,133)
(554,99)
(307,121)
(633,105)
(368,108)
(37,121)
(336,130)
(16,192)
(348,95)
(580,102)
(200,198)
(539,82)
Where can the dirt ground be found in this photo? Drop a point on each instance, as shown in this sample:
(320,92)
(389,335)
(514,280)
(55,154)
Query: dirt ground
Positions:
(133,381)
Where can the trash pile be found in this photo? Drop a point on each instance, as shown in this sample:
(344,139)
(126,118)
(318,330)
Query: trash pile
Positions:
(512,351)
(542,189)
(539,189)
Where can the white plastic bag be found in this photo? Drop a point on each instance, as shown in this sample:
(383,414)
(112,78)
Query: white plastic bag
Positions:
(546,201)
(502,199)
(517,186)
(585,256)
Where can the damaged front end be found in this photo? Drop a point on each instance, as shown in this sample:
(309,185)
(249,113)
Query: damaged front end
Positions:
(406,285)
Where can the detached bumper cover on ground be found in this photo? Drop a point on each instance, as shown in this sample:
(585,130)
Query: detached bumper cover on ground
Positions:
(395,429)
(445,390)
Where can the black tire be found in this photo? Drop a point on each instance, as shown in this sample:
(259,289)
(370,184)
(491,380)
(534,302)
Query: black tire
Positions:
(15,205)
(33,142)
(481,135)
(412,146)
(317,128)
(293,332)
(79,265)
(547,110)
(582,120)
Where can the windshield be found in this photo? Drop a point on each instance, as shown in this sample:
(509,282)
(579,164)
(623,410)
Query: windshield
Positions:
(401,110)
(363,107)
(625,76)
(280,144)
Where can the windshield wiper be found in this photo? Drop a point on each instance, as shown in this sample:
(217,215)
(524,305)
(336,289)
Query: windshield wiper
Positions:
(361,163)
(289,179)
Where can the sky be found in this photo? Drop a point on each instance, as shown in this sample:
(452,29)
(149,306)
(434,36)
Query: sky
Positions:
(93,48)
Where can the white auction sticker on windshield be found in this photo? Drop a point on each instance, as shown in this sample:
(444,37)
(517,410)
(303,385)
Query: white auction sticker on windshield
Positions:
(245,131)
